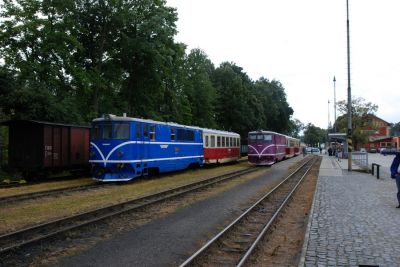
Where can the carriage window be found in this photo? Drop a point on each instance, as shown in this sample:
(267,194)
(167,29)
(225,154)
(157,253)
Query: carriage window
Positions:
(146,130)
(231,141)
(223,141)
(121,130)
(218,141)
(137,130)
(172,134)
(212,140)
(107,131)
(206,141)
(152,133)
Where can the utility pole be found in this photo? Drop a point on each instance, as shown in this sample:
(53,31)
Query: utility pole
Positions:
(349,123)
(329,119)
(334,101)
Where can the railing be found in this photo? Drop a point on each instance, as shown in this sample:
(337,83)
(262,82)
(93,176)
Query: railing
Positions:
(360,159)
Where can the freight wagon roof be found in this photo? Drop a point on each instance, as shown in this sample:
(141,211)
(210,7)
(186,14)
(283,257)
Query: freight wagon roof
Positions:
(119,118)
(13,122)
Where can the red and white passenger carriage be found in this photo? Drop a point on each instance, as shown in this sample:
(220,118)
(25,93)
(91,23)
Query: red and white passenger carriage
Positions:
(292,147)
(220,146)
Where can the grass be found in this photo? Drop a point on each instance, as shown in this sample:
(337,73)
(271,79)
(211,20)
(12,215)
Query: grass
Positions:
(26,213)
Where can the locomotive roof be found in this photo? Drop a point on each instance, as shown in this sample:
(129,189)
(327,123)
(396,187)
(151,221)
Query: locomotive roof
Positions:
(12,122)
(110,117)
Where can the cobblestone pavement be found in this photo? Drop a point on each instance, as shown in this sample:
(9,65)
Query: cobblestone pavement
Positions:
(353,220)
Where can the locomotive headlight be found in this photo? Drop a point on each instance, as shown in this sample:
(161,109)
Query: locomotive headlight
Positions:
(120,154)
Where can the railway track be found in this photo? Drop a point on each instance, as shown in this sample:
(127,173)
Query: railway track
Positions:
(65,190)
(234,245)
(49,193)
(36,235)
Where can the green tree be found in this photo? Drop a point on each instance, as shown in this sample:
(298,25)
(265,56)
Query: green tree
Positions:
(395,129)
(360,109)
(314,136)
(295,127)
(235,99)
(199,89)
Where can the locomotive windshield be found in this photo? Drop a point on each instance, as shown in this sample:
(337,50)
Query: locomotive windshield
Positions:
(108,130)
(260,138)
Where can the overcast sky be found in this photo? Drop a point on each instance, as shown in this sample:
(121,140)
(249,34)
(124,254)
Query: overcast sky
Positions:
(302,43)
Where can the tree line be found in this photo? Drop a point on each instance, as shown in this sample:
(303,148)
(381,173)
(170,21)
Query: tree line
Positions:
(74,60)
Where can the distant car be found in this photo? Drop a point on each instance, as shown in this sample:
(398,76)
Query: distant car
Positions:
(388,151)
(363,150)
(372,150)
(308,149)
(315,149)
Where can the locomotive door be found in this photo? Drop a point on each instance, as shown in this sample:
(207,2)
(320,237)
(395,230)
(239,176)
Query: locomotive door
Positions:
(144,147)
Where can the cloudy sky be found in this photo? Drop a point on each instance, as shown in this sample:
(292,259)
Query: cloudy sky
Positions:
(302,43)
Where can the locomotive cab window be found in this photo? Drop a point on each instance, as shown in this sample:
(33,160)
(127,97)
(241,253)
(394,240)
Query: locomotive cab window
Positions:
(260,138)
(121,131)
(107,131)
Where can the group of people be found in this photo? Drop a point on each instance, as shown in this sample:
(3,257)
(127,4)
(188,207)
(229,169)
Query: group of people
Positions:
(395,174)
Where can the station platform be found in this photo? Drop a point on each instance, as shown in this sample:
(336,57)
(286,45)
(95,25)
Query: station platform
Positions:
(353,221)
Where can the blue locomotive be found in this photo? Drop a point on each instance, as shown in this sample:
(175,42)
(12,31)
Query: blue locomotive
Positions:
(122,148)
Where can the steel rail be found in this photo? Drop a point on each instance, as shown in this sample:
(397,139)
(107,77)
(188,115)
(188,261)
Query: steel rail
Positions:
(191,259)
(47,193)
(272,220)
(27,236)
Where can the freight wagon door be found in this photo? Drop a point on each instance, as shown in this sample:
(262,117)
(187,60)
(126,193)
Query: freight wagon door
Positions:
(79,146)
(52,146)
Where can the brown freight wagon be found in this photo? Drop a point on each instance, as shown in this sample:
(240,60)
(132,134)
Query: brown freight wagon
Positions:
(37,147)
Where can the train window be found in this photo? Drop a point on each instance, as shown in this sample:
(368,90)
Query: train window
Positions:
(223,141)
(206,141)
(212,140)
(121,130)
(145,130)
(107,131)
(185,135)
(218,141)
(152,132)
(231,142)
(137,131)
(173,134)
(189,135)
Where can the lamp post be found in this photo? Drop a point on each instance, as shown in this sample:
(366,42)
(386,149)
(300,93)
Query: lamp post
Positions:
(329,119)
(349,124)
(334,102)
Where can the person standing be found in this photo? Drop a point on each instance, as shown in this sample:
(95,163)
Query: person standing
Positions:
(394,170)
